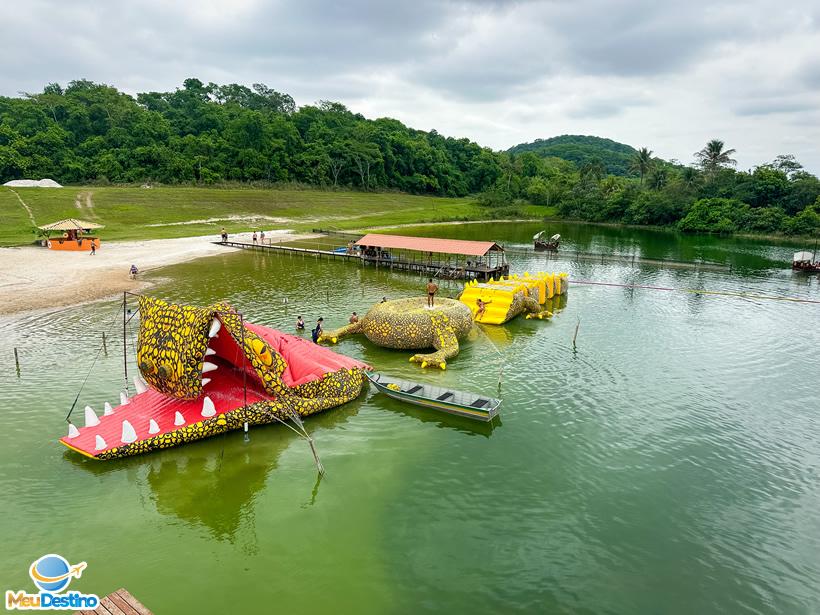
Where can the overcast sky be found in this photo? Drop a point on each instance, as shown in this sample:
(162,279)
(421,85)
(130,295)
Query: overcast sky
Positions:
(666,75)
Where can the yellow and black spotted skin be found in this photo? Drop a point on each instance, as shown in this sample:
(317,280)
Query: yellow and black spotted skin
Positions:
(523,303)
(171,346)
(407,324)
(171,350)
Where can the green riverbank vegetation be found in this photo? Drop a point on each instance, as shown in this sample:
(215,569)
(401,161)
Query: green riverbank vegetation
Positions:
(216,135)
(709,196)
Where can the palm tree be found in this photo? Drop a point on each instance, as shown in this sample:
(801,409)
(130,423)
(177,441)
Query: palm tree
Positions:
(713,156)
(690,178)
(658,178)
(642,162)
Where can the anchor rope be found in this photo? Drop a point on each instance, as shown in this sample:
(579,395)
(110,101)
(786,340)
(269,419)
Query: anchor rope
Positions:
(90,369)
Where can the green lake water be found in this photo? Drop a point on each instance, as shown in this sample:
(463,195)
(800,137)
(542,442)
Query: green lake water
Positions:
(669,464)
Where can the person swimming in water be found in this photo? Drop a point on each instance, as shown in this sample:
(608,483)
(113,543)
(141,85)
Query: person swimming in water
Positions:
(300,324)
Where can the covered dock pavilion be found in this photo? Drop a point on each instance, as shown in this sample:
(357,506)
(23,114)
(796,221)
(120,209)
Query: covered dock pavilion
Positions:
(72,234)
(438,258)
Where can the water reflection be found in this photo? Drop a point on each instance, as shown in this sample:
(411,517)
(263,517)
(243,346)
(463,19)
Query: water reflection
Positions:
(439,419)
(186,484)
(215,483)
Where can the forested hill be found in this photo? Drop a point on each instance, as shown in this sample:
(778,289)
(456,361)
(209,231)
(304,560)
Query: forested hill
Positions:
(582,149)
(204,134)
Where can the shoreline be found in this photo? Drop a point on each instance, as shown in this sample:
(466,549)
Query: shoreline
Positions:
(34,278)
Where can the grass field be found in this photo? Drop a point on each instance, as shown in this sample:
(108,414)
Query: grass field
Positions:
(156,213)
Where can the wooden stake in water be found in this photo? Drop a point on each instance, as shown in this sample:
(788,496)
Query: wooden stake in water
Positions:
(105,350)
(17,362)
(577,325)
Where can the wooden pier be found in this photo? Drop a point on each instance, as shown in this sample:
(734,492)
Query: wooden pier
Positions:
(449,269)
(121,602)
(567,254)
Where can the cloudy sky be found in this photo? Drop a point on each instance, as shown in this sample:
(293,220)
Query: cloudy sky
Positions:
(666,75)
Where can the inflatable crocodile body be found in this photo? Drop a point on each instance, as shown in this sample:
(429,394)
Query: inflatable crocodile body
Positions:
(203,371)
(408,324)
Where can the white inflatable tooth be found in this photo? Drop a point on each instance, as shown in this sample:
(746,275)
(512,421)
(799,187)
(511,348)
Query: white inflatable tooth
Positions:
(73,432)
(205,381)
(99,443)
(215,327)
(209,352)
(129,434)
(91,419)
(124,398)
(153,427)
(208,408)
(179,419)
(108,409)
(208,367)
(140,384)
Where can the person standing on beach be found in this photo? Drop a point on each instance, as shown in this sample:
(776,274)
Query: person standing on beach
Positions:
(93,248)
(224,235)
(262,237)
(254,237)
(432,289)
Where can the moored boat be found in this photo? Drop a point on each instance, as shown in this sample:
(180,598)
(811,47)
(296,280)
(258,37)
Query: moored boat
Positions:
(804,261)
(551,244)
(460,403)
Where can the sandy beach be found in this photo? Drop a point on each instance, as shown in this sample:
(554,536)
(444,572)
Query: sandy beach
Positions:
(33,278)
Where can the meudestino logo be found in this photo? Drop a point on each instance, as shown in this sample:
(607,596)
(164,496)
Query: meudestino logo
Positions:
(52,574)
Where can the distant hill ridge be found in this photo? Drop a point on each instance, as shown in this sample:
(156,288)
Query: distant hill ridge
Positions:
(581,149)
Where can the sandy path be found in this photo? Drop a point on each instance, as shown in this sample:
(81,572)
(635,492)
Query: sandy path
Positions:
(25,206)
(33,278)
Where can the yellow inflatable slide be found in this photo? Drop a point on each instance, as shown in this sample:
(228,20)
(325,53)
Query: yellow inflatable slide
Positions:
(506,298)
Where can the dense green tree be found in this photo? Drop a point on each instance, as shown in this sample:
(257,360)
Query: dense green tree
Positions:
(807,222)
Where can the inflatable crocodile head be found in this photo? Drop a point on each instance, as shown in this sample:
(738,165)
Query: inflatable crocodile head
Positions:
(204,371)
(408,324)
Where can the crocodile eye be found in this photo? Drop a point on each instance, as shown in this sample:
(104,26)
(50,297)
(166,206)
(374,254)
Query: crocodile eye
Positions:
(260,349)
(147,366)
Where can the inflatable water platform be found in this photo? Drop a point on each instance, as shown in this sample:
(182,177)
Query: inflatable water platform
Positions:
(508,297)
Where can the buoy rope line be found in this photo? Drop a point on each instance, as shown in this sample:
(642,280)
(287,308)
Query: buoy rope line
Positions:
(701,291)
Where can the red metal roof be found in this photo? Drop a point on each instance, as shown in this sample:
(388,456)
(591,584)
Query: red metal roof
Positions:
(429,244)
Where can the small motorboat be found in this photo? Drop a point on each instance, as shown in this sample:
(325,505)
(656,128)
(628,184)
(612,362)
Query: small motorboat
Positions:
(542,244)
(460,403)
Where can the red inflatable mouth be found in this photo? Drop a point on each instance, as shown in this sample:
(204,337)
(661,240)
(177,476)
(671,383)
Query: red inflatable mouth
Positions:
(229,383)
